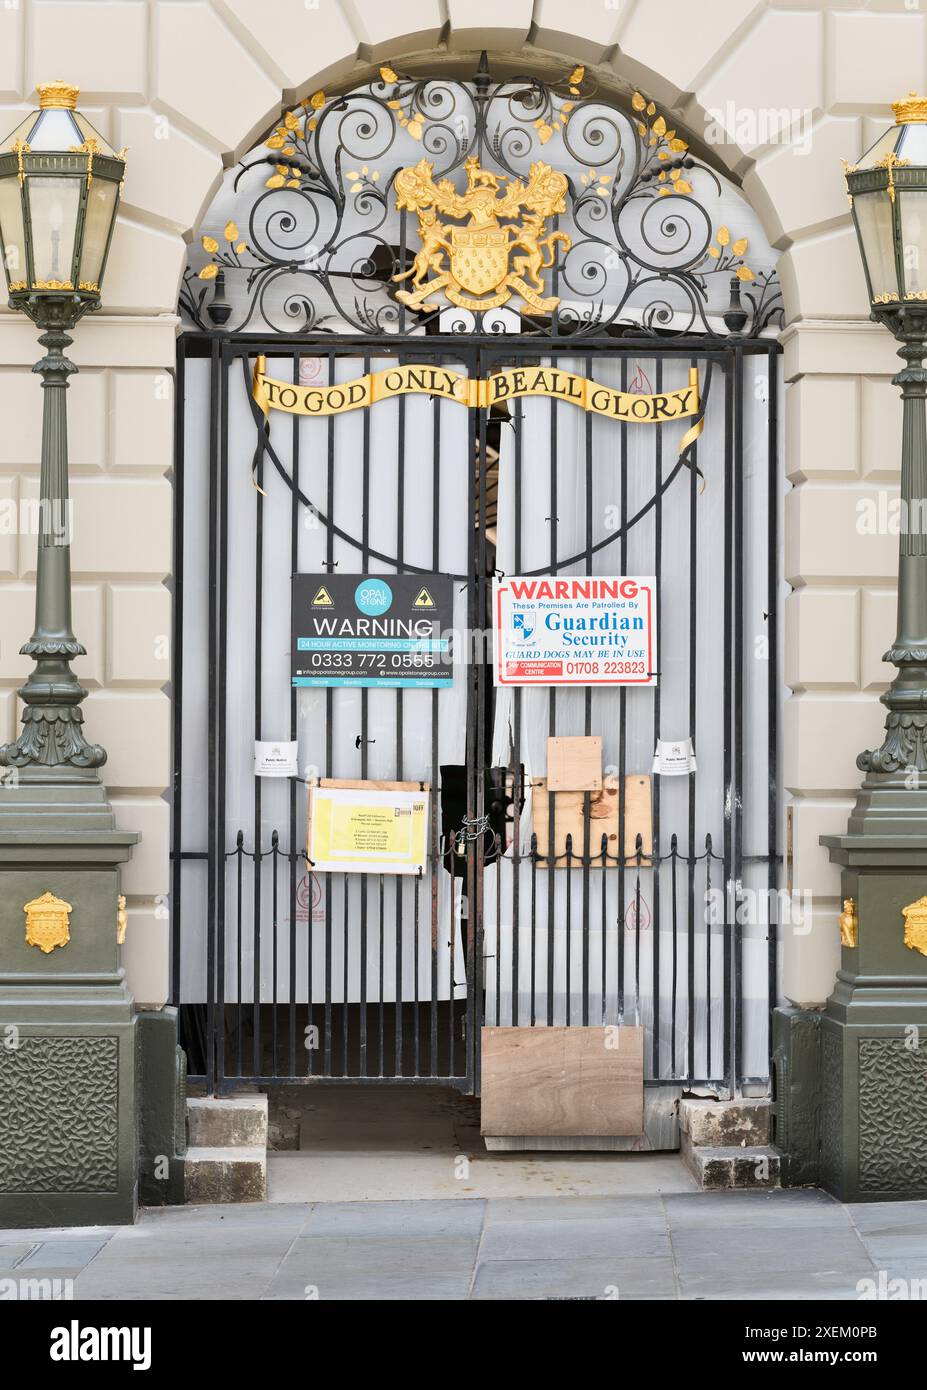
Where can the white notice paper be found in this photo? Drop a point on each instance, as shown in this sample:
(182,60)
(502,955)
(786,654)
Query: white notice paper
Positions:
(674,759)
(275,759)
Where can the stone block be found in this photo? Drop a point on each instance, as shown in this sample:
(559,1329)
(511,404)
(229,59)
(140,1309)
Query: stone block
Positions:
(101,47)
(225,1175)
(221,1123)
(142,421)
(822,429)
(822,639)
(138,635)
(724,1123)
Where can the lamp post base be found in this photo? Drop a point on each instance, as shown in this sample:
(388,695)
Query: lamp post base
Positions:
(68,1098)
(873,1117)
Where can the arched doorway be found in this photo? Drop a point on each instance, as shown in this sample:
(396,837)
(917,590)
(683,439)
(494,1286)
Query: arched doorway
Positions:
(447,332)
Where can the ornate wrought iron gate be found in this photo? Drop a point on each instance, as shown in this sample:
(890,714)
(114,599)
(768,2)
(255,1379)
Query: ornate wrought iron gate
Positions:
(286,976)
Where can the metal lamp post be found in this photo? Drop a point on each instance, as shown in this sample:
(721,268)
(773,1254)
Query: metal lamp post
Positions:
(68,1110)
(873,1138)
(888,192)
(59,190)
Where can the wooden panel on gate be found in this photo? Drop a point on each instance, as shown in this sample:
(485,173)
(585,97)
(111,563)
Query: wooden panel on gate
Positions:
(562,1081)
(604,807)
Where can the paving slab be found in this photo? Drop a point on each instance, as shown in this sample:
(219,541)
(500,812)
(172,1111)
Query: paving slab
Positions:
(575,1278)
(170,1274)
(608,1238)
(873,1217)
(63,1254)
(13,1255)
(716,1249)
(802,1207)
(573,1208)
(30,1235)
(407,1267)
(389,1219)
(39,1285)
(223,1216)
(770,1285)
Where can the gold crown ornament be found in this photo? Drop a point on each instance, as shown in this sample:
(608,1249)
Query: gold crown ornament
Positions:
(911,111)
(57,96)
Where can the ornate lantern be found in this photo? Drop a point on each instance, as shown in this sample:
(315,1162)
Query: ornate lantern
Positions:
(59,190)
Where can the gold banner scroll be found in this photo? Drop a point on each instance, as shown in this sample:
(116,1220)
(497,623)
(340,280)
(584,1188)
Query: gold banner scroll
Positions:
(426,379)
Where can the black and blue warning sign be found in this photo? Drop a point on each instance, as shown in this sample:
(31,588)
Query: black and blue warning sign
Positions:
(373,630)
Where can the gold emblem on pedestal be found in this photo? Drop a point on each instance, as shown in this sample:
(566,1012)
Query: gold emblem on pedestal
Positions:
(474,265)
(915,926)
(848,922)
(47,922)
(122,919)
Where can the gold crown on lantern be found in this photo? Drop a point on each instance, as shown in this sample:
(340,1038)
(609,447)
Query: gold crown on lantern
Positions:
(911,111)
(58,96)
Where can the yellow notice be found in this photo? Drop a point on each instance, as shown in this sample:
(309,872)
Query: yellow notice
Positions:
(377,831)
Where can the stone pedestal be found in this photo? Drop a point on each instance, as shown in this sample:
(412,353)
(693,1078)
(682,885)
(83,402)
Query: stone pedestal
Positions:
(873,1125)
(68,1088)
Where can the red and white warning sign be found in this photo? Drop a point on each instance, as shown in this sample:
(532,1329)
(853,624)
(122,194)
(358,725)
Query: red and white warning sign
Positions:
(575,630)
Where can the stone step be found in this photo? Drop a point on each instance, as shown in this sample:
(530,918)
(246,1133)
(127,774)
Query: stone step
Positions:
(225,1174)
(229,1122)
(717,1168)
(725,1123)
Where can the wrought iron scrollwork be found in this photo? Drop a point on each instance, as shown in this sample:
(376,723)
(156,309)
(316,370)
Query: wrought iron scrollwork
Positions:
(313,239)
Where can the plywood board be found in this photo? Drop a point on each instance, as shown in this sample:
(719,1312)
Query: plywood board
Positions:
(604,807)
(562,1081)
(574,764)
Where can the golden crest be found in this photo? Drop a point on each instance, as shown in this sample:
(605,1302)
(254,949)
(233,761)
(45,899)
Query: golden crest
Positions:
(848,922)
(479,259)
(915,926)
(47,922)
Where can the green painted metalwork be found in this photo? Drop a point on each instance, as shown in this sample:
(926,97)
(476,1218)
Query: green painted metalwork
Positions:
(873,1119)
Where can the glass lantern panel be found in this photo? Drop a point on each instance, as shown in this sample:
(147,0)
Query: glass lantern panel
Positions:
(913,205)
(912,147)
(12,232)
(21,133)
(876,234)
(89,132)
(55,129)
(101,205)
(887,143)
(54,202)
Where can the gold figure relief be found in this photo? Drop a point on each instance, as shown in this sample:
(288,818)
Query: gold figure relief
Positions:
(915,926)
(47,922)
(474,264)
(848,922)
(122,919)
(19,148)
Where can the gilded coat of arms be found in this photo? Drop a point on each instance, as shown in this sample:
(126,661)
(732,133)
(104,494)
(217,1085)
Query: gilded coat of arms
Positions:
(476,265)
(47,922)
(915,926)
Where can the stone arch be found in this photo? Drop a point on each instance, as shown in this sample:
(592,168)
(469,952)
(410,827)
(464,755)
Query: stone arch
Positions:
(696,58)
